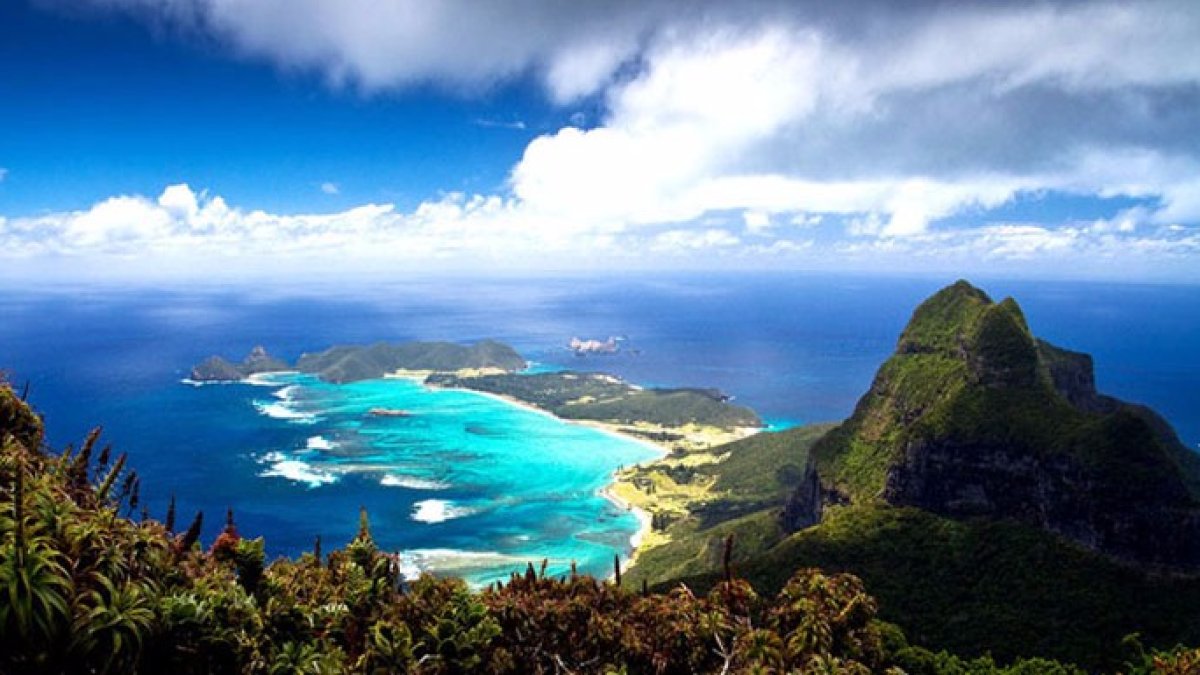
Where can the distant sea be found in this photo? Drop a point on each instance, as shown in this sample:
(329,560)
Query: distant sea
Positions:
(474,486)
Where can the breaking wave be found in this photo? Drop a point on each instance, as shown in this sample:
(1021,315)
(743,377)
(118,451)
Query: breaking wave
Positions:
(438,511)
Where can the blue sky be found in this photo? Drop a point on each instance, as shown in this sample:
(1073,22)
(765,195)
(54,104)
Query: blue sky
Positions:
(213,138)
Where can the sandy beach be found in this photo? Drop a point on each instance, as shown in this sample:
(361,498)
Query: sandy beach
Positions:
(692,436)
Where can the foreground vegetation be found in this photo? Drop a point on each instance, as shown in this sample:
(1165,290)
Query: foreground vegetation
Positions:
(88,588)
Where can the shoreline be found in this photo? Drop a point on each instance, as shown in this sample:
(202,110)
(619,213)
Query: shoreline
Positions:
(661,449)
(645,521)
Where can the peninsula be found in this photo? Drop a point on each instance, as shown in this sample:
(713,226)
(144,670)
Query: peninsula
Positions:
(679,420)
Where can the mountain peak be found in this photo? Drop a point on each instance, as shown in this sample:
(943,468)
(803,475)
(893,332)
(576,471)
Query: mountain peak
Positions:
(973,416)
(946,315)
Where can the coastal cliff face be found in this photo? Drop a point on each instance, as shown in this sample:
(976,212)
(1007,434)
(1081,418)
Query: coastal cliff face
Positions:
(974,417)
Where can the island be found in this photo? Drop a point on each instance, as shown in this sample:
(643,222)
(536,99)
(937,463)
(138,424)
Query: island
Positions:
(583,347)
(350,363)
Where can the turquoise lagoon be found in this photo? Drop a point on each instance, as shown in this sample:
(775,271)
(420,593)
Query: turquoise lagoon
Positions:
(470,485)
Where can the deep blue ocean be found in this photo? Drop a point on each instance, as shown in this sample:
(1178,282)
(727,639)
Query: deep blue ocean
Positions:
(473,486)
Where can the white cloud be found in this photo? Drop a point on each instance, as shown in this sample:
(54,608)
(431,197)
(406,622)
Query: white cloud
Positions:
(188,232)
(515,125)
(694,130)
(678,242)
(806,219)
(896,121)
(582,70)
(329,188)
(757,222)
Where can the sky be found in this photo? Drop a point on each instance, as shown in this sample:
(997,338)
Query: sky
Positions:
(161,139)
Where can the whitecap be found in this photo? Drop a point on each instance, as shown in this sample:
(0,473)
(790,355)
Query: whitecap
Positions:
(319,443)
(282,411)
(285,393)
(272,457)
(267,379)
(412,482)
(299,472)
(438,510)
(200,383)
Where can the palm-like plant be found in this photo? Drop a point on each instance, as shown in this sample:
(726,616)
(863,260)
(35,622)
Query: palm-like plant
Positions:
(35,588)
(307,658)
(34,583)
(112,626)
(389,649)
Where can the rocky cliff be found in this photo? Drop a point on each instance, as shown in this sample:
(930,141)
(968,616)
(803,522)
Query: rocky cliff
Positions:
(973,416)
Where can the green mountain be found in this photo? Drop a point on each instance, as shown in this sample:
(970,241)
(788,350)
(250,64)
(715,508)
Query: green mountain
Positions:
(973,416)
(350,363)
(993,500)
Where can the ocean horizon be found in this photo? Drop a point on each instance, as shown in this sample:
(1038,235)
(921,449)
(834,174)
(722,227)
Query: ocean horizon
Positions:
(474,486)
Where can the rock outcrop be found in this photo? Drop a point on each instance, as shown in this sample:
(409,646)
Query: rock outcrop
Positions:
(974,417)
(218,369)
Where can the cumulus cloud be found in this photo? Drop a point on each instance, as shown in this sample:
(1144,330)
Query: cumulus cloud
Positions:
(189,231)
(891,122)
